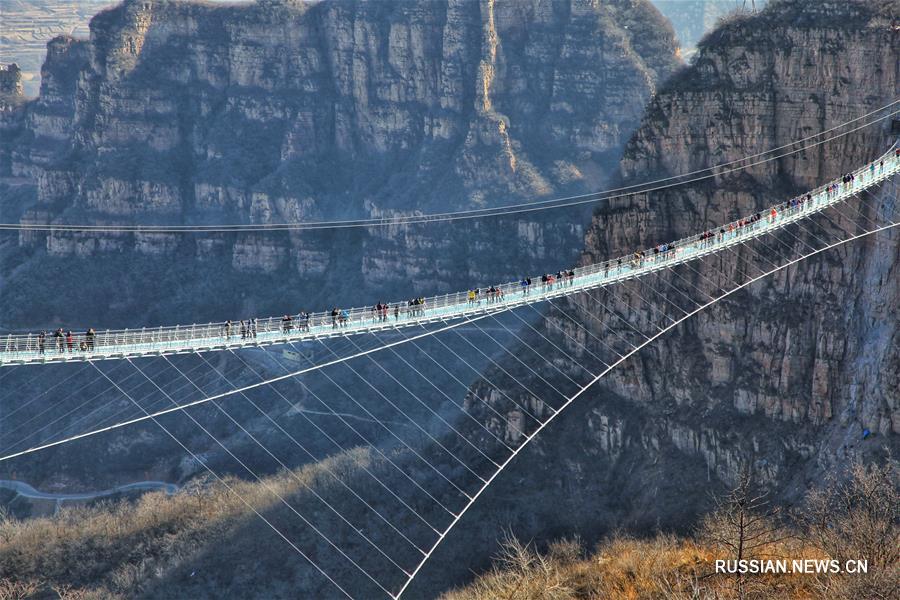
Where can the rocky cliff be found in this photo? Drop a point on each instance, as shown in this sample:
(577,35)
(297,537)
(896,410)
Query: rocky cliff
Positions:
(287,111)
(11,99)
(692,19)
(11,82)
(785,378)
(282,111)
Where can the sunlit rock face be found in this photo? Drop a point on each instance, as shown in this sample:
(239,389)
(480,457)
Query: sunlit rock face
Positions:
(758,83)
(783,378)
(282,111)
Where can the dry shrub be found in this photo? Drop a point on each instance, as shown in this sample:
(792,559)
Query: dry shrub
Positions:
(655,568)
(856,519)
(67,592)
(114,549)
(565,551)
(18,590)
(519,573)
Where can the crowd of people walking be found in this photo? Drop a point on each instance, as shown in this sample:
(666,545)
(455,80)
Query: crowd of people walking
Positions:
(62,342)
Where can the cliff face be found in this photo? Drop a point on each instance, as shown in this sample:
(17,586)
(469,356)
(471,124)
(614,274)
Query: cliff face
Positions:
(783,378)
(11,82)
(281,111)
(691,19)
(760,82)
(11,99)
(294,111)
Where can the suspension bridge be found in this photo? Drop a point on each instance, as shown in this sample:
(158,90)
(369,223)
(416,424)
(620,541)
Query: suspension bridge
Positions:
(179,339)
(433,454)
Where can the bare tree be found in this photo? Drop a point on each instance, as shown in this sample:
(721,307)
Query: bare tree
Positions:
(744,521)
(745,525)
(858,519)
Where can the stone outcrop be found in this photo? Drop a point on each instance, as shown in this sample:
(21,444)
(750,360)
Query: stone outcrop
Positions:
(11,82)
(283,111)
(782,379)
(757,83)
(11,99)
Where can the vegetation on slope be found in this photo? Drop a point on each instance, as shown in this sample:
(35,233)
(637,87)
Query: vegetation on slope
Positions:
(126,549)
(116,550)
(855,519)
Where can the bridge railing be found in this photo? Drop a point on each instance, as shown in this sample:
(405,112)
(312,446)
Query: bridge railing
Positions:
(210,335)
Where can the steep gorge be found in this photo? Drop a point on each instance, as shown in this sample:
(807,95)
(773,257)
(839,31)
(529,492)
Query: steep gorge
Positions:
(792,378)
(785,377)
(283,111)
(187,113)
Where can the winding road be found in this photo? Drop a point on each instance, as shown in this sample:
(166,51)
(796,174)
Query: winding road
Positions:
(25,490)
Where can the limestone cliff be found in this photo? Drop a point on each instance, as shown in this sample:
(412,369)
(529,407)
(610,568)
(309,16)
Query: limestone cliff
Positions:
(692,19)
(285,111)
(785,377)
(11,82)
(11,99)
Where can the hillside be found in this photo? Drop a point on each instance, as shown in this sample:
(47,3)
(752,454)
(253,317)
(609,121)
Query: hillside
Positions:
(391,107)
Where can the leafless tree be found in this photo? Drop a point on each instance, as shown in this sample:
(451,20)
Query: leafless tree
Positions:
(745,525)
(858,518)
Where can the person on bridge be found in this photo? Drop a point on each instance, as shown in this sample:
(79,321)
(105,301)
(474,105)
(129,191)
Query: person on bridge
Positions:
(253,326)
(345,317)
(286,324)
(70,340)
(304,321)
(471,296)
(89,339)
(228,329)
(41,340)
(397,312)
(243,330)
(59,337)
(335,313)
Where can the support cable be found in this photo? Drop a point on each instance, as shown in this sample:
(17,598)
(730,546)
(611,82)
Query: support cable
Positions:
(227,486)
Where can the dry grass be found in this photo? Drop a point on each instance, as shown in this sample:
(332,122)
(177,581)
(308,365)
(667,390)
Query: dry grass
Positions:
(111,550)
(664,567)
(855,518)
(115,550)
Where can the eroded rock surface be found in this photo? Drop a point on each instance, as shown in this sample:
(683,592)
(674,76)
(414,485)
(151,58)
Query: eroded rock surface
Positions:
(282,111)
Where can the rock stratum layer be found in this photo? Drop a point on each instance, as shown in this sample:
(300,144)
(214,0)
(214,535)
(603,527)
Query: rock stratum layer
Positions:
(289,111)
(786,377)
